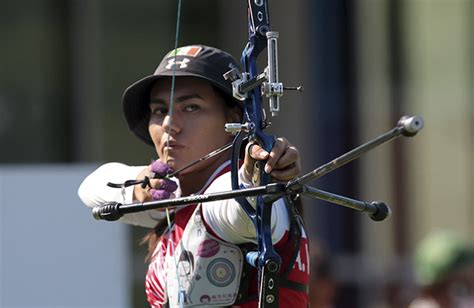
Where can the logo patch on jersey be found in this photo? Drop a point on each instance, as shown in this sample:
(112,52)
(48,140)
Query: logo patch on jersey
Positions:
(208,248)
(220,272)
(189,51)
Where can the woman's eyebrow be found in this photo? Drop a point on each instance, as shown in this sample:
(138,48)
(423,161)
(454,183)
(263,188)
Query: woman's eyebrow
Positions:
(179,99)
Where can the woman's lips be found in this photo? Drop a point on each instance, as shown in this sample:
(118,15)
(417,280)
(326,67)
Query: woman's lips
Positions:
(172,145)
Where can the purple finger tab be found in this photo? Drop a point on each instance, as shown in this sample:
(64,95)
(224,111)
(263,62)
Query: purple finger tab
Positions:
(168,185)
(159,194)
(160,168)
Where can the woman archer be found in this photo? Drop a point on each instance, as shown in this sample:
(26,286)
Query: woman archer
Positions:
(198,258)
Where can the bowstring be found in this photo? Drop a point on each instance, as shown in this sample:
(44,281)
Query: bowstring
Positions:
(173,77)
(181,292)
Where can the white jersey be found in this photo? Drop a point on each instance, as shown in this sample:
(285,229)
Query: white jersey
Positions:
(224,219)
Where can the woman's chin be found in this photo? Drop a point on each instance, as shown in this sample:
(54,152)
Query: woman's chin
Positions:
(175,163)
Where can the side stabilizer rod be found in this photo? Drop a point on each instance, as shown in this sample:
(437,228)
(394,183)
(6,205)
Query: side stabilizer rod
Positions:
(377,210)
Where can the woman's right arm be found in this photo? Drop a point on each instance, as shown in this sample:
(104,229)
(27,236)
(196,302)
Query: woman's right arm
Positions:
(94,191)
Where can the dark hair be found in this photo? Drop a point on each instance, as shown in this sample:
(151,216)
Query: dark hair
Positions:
(230,101)
(153,237)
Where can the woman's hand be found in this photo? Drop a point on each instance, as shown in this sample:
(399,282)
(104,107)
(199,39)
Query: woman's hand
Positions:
(283,162)
(157,189)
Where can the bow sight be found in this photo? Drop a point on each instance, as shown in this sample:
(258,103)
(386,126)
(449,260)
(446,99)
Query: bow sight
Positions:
(268,80)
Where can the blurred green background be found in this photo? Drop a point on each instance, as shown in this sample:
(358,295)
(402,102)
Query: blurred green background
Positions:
(363,64)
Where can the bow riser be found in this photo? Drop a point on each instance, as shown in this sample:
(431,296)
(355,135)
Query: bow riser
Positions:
(266,258)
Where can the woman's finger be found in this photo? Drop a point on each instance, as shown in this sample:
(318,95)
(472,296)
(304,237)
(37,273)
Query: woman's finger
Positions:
(256,152)
(290,156)
(275,155)
(168,185)
(288,173)
(158,194)
(160,168)
(163,184)
(283,162)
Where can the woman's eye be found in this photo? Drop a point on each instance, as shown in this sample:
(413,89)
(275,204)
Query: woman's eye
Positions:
(159,111)
(191,108)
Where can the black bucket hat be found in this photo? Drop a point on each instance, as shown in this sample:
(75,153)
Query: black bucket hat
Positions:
(200,61)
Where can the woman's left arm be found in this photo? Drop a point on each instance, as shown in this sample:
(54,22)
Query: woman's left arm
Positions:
(227,218)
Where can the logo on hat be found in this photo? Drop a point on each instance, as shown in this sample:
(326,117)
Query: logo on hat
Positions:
(182,64)
(189,51)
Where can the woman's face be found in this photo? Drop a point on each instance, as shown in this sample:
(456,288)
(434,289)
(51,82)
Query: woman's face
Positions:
(196,124)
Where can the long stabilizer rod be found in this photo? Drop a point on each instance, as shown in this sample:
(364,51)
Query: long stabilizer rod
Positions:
(407,126)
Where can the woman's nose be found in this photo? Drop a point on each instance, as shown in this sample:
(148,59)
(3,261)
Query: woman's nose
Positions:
(172,122)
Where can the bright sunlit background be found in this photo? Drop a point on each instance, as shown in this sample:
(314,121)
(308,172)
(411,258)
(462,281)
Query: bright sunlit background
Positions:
(363,64)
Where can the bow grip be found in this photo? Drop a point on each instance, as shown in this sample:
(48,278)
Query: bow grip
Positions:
(266,142)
